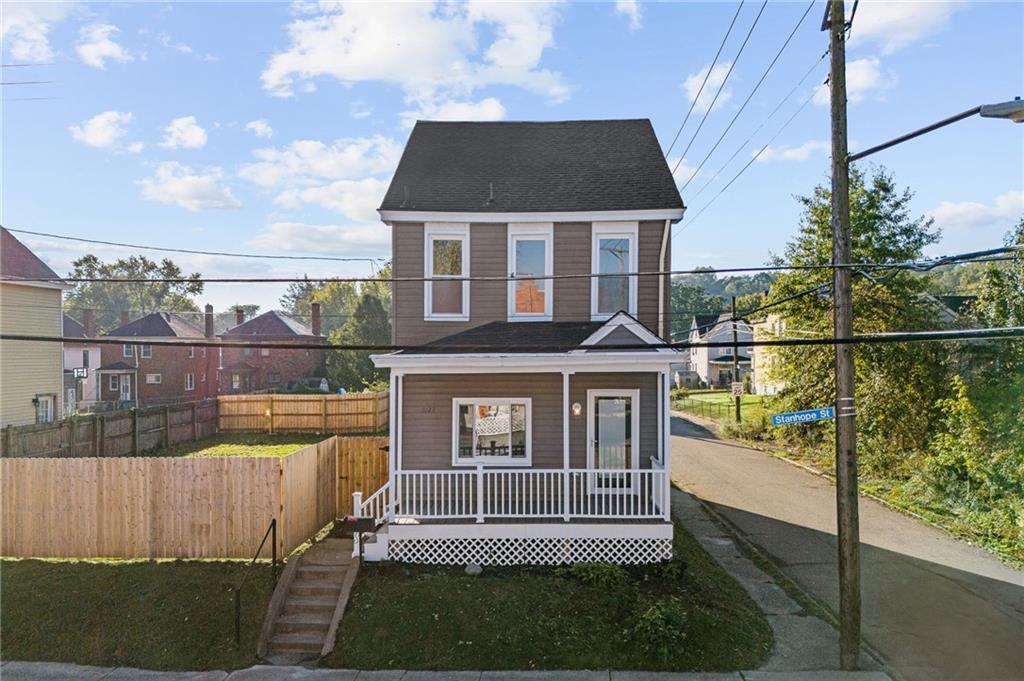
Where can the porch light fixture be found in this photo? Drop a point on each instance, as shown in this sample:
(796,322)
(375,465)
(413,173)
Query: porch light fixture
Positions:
(577,408)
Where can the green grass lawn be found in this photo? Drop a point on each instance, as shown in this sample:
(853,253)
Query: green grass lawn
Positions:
(719,405)
(421,617)
(153,615)
(242,444)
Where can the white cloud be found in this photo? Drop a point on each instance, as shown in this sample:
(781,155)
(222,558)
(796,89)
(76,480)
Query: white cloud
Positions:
(360,109)
(106,131)
(95,46)
(309,162)
(184,133)
(193,190)
(1008,207)
(715,80)
(167,42)
(25,29)
(631,9)
(355,199)
(801,153)
(862,77)
(260,127)
(428,49)
(300,236)
(490,109)
(894,25)
(684,171)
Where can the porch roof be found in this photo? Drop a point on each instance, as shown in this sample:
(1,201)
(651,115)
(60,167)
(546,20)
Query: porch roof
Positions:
(511,337)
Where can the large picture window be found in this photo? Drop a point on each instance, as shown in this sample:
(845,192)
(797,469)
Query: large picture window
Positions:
(491,431)
(614,253)
(530,255)
(446,256)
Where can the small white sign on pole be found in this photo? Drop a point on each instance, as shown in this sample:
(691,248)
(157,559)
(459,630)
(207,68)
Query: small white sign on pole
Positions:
(737,390)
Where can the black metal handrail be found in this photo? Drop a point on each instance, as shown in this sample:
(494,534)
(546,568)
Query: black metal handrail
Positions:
(272,533)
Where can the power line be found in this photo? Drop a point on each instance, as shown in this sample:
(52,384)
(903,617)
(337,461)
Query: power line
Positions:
(711,68)
(778,106)
(196,252)
(720,87)
(751,95)
(992,333)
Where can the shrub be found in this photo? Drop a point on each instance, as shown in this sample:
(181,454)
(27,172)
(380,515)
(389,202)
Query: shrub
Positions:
(602,575)
(660,627)
(680,393)
(672,570)
(748,429)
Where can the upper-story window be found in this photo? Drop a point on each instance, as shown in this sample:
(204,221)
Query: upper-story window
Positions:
(614,253)
(530,254)
(146,351)
(126,350)
(446,256)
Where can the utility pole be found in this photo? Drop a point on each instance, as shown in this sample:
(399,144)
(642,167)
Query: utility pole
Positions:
(735,357)
(847,513)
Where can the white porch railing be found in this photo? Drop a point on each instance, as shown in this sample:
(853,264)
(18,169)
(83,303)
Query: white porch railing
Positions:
(482,493)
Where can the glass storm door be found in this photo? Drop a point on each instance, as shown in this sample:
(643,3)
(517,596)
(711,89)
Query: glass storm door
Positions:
(613,449)
(126,387)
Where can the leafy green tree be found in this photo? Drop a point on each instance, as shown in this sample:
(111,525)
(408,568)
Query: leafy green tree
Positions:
(688,300)
(897,384)
(296,298)
(108,298)
(369,325)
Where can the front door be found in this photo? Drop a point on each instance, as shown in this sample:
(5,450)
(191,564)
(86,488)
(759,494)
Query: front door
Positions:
(126,387)
(613,421)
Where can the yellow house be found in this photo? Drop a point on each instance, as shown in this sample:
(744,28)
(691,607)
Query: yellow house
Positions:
(31,372)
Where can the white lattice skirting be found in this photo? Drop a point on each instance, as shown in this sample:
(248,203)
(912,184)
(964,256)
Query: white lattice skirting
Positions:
(530,550)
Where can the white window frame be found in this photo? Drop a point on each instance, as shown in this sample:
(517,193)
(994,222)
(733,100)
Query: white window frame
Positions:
(127,351)
(445,231)
(190,382)
(154,379)
(539,231)
(614,230)
(45,407)
(145,351)
(191,351)
(264,352)
(634,454)
(506,461)
(114,382)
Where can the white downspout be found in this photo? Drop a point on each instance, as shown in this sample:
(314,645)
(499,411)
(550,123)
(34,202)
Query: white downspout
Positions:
(661,282)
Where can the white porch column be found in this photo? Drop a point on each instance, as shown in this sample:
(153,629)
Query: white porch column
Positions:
(392,442)
(666,444)
(661,416)
(566,415)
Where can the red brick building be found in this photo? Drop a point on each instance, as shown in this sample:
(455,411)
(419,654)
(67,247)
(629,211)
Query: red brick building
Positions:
(138,372)
(246,370)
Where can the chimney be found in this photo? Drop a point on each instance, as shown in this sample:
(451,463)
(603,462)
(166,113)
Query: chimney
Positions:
(239,316)
(89,322)
(124,317)
(208,321)
(314,310)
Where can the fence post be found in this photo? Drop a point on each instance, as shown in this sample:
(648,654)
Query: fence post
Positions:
(167,426)
(135,431)
(270,413)
(357,503)
(195,423)
(95,435)
(9,441)
(72,435)
(479,493)
(101,438)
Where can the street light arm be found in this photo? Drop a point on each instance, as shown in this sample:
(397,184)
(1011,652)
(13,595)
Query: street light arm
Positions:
(916,133)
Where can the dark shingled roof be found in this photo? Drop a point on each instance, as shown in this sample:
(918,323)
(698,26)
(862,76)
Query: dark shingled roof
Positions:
(117,366)
(271,323)
(533,167)
(158,324)
(18,262)
(511,337)
(72,328)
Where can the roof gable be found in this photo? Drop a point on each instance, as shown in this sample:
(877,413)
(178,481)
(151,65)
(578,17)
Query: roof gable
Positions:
(18,262)
(512,167)
(157,324)
(72,328)
(272,323)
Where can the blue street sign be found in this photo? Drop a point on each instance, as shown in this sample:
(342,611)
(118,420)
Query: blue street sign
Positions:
(806,416)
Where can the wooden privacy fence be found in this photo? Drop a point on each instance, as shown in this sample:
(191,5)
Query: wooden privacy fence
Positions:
(119,433)
(351,413)
(156,507)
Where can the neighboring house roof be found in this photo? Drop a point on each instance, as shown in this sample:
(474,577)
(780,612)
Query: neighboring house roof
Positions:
(511,337)
(271,323)
(958,304)
(17,262)
(563,166)
(157,324)
(727,359)
(704,322)
(117,366)
(72,328)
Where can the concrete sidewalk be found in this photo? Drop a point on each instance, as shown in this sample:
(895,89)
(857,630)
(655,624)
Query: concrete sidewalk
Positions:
(51,671)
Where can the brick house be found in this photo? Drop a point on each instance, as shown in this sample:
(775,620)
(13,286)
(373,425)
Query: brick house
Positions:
(137,372)
(246,370)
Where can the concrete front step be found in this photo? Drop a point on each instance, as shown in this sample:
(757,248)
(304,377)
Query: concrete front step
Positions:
(312,588)
(310,606)
(303,623)
(296,643)
(327,573)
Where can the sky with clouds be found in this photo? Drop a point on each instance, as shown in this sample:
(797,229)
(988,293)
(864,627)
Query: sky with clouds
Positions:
(274,128)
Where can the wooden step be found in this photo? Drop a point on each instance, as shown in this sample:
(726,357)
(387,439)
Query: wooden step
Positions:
(328,573)
(312,588)
(303,623)
(296,643)
(310,606)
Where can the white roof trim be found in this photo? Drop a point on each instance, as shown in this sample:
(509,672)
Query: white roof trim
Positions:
(519,362)
(58,285)
(673,214)
(632,325)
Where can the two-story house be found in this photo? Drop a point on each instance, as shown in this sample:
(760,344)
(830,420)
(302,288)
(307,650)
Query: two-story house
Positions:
(529,406)
(31,376)
(135,371)
(254,368)
(82,357)
(714,365)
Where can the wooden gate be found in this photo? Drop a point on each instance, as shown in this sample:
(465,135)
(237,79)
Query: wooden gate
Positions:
(362,467)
